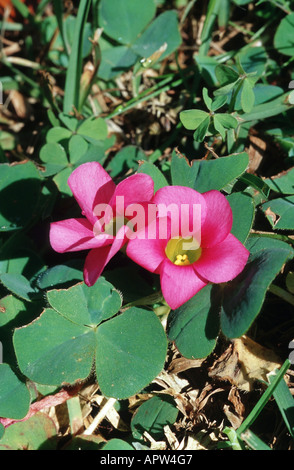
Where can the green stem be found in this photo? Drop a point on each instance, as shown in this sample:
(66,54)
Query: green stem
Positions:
(283,294)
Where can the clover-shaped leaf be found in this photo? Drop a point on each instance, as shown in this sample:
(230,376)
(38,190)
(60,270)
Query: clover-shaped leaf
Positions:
(84,328)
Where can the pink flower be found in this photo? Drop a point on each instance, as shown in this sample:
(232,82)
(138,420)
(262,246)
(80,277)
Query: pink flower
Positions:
(184,261)
(104,236)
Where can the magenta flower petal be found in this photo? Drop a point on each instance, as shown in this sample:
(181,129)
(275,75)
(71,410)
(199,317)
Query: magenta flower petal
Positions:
(75,235)
(181,204)
(134,190)
(179,283)
(147,249)
(222,262)
(91,185)
(98,258)
(219,219)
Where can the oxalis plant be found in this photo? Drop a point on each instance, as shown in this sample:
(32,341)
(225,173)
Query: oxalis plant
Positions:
(147,255)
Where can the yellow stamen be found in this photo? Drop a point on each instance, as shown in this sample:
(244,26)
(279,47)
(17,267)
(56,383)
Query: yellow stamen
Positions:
(183,251)
(182,260)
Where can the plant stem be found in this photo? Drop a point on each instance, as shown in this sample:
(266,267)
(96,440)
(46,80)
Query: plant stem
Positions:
(283,294)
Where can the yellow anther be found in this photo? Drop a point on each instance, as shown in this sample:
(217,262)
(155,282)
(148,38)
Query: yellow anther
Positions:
(182,260)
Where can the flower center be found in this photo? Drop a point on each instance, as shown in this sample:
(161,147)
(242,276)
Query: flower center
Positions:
(183,251)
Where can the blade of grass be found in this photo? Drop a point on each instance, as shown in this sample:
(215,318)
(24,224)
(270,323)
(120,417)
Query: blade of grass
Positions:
(22,9)
(235,441)
(254,441)
(282,293)
(212,12)
(285,402)
(74,71)
(58,10)
(224,13)
(279,374)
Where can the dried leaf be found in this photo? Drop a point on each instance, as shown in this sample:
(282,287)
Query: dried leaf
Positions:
(181,364)
(271,215)
(257,152)
(243,363)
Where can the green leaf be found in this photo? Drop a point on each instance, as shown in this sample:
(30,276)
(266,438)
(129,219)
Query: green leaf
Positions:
(86,305)
(204,175)
(247,96)
(2,431)
(243,209)
(69,121)
(226,74)
(255,183)
(153,415)
(244,296)
(201,131)
(227,120)
(219,127)
(218,102)
(158,177)
(19,256)
(192,118)
(282,184)
(52,350)
(126,158)
(14,395)
(54,157)
(58,135)
(268,109)
(93,129)
(194,326)
(117,444)
(124,20)
(61,181)
(14,313)
(226,89)
(77,147)
(131,351)
(207,99)
(20,188)
(164,29)
(36,433)
(253,59)
(283,39)
(280,213)
(19,285)
(116,60)
(60,275)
